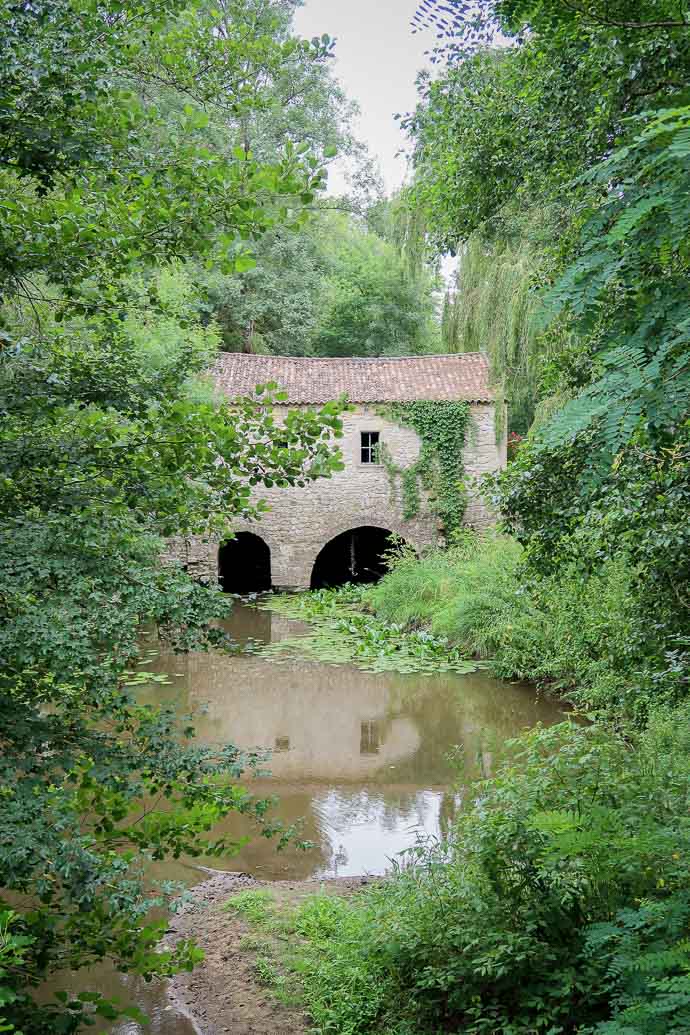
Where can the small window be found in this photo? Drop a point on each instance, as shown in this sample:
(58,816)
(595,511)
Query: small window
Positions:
(370,447)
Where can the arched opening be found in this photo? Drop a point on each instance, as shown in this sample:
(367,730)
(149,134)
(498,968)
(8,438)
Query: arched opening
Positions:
(353,556)
(244,564)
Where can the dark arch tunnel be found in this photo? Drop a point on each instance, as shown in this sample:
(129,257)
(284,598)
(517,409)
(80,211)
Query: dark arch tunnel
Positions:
(353,556)
(244,564)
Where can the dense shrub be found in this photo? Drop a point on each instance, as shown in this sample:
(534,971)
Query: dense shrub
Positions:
(562,904)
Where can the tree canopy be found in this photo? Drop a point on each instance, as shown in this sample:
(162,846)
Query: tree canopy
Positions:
(112,440)
(551,155)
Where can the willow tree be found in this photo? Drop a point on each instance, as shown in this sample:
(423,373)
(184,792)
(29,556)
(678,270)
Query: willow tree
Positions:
(503,139)
(495,306)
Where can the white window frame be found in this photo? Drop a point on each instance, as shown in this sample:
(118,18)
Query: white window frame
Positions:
(369,448)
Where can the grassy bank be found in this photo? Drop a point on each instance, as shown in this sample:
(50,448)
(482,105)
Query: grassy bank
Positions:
(561,904)
(583,635)
(561,900)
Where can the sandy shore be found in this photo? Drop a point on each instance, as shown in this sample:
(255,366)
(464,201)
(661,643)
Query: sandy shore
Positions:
(224,994)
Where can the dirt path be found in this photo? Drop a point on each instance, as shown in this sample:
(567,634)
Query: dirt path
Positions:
(224,993)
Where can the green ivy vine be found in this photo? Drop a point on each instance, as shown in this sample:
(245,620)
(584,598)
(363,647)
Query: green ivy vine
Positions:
(442,428)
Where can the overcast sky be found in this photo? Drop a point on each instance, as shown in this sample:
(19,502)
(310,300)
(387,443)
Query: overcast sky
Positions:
(377,60)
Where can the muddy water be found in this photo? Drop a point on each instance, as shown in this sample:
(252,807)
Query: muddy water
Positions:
(365,763)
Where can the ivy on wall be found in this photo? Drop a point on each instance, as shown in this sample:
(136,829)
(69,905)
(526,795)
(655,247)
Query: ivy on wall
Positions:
(442,428)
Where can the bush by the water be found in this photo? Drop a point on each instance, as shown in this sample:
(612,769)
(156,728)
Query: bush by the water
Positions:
(578,631)
(562,903)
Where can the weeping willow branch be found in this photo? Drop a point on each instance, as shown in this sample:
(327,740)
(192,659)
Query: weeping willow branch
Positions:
(495,308)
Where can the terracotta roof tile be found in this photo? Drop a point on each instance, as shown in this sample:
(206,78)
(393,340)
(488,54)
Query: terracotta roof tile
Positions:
(385,379)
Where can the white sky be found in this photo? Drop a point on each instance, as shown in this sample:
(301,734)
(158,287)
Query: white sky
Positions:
(377,60)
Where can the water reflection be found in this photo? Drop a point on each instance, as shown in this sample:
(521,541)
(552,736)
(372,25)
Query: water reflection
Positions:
(365,761)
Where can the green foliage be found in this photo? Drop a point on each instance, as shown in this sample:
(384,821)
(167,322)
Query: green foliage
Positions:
(112,441)
(334,287)
(629,286)
(342,990)
(571,523)
(13,951)
(292,942)
(467,590)
(585,634)
(456,18)
(442,428)
(254,905)
(296,100)
(150,186)
(496,308)
(371,305)
(267,973)
(275,306)
(401,221)
(561,903)
(491,126)
(525,119)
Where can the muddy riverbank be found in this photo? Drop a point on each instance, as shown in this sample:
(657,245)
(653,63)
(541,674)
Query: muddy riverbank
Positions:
(225,993)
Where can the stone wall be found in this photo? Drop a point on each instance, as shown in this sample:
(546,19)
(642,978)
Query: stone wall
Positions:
(302,520)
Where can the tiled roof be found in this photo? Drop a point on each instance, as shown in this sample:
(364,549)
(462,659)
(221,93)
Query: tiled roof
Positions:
(386,379)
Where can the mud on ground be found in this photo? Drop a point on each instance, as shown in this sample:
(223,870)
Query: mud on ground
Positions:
(225,993)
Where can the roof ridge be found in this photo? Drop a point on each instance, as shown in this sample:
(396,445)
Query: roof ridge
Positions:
(350,359)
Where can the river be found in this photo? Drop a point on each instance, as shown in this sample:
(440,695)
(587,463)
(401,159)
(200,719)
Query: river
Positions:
(365,763)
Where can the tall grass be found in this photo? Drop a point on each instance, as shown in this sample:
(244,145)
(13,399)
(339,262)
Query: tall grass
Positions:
(462,593)
(577,633)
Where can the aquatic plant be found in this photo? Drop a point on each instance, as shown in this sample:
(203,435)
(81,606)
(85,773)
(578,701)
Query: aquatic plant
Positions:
(344,633)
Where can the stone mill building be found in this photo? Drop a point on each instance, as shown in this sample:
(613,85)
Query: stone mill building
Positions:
(335,529)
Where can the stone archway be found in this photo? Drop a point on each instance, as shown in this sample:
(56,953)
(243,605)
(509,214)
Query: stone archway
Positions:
(356,555)
(244,564)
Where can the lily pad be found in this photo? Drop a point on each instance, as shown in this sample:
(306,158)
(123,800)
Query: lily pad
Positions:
(345,634)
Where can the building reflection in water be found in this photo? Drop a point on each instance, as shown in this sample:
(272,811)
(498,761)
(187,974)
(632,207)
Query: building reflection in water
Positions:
(370,737)
(365,762)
